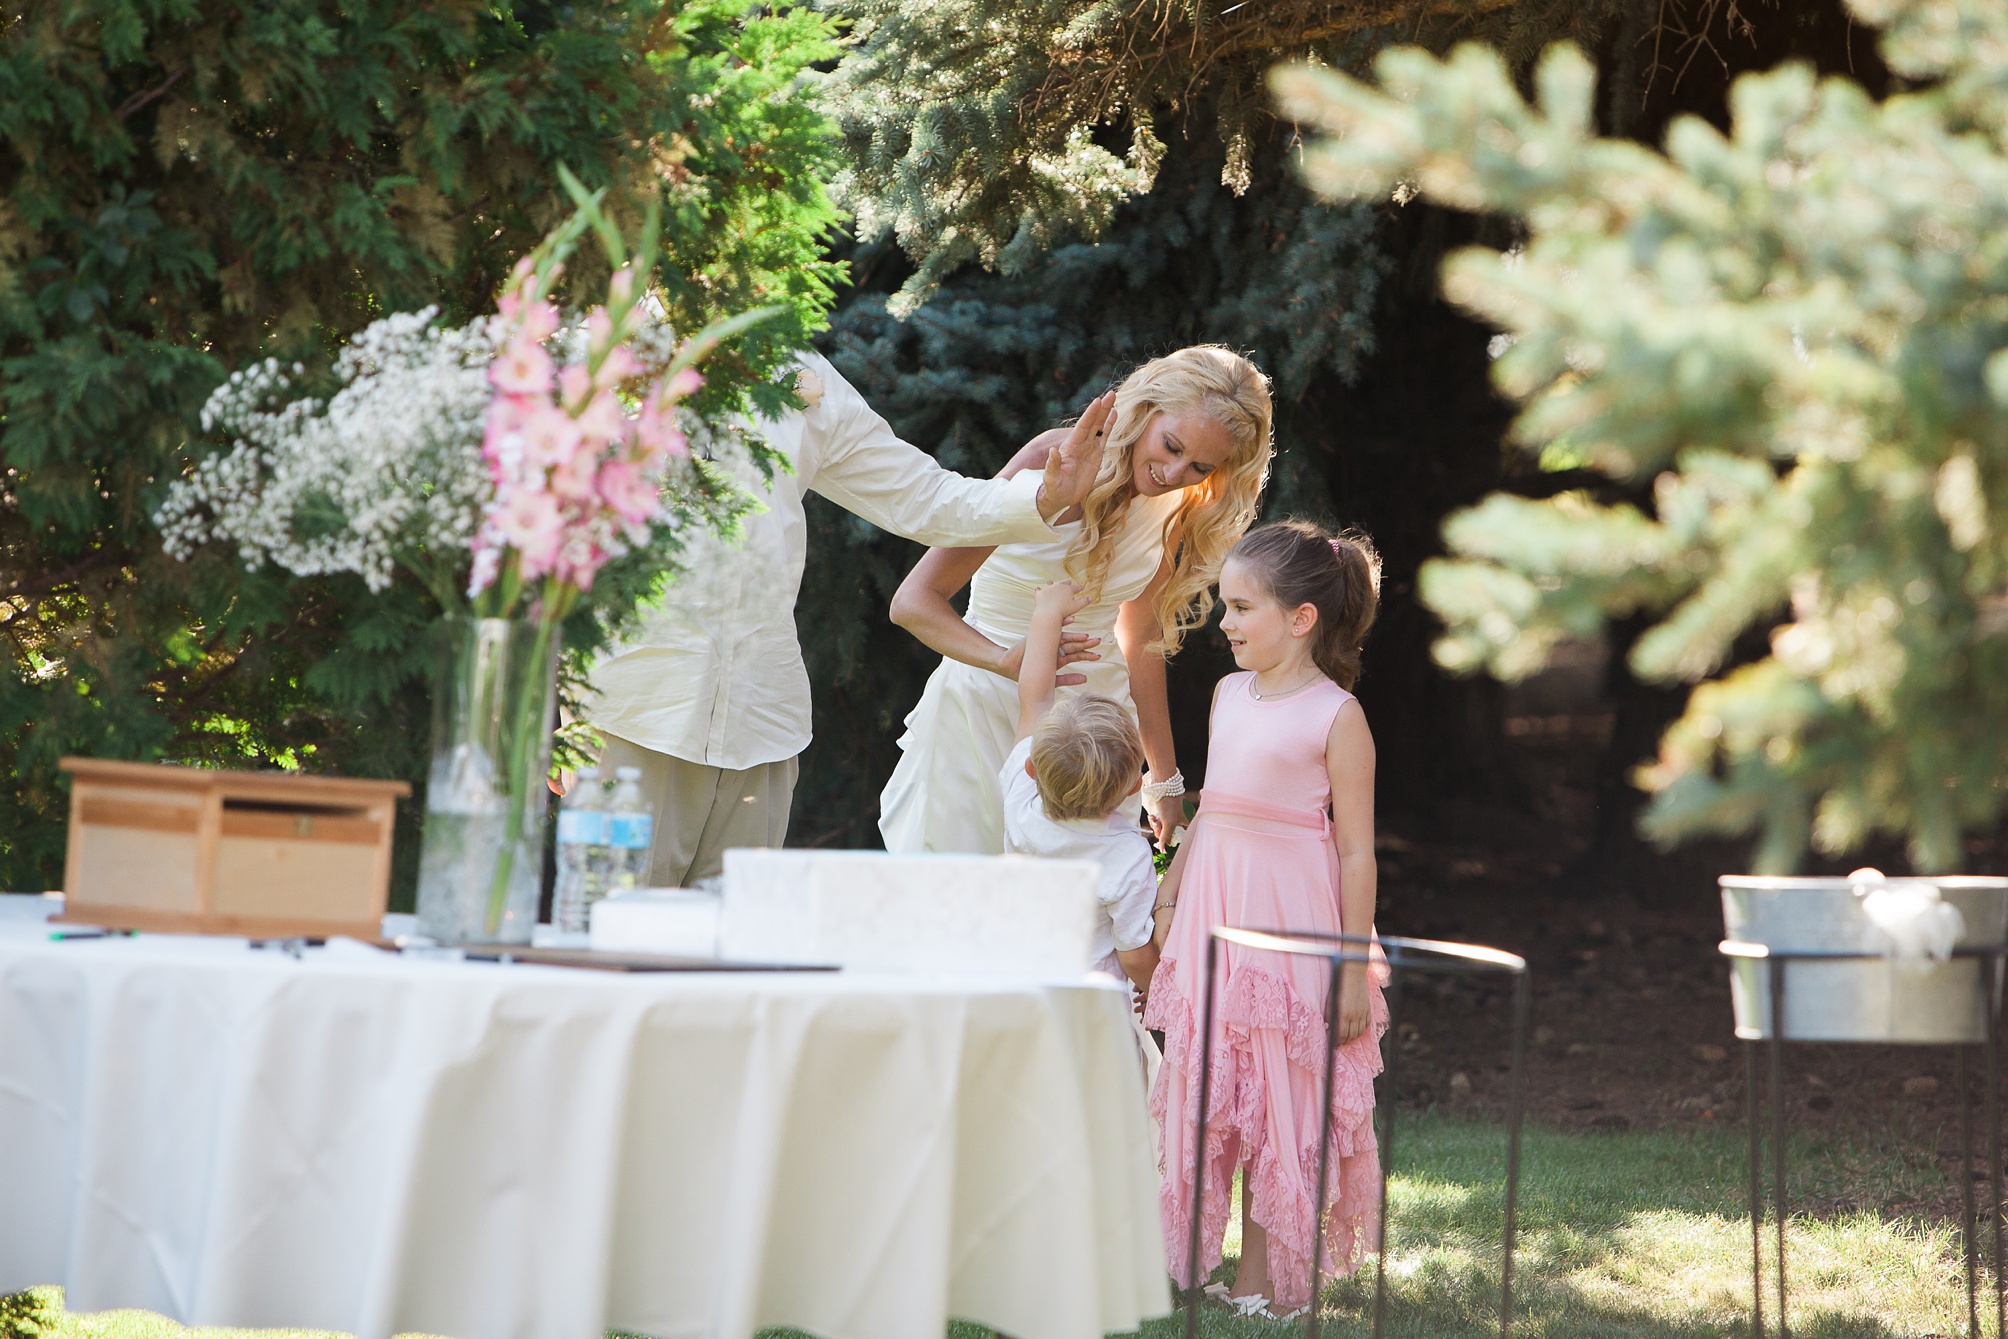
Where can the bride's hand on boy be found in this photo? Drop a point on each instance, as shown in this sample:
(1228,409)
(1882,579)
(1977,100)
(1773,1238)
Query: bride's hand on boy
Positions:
(1071,469)
(1074,646)
(1355,1005)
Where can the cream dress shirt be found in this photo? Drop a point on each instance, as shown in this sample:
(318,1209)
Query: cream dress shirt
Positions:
(713,672)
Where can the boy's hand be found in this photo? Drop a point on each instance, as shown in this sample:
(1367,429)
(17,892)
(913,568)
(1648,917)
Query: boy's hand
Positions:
(1062,597)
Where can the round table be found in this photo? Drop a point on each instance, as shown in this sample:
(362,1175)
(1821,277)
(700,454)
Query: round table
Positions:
(355,1140)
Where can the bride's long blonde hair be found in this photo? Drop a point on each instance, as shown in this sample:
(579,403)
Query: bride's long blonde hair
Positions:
(1225,387)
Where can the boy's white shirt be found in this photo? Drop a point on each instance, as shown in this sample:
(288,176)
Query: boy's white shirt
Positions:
(713,673)
(1128,886)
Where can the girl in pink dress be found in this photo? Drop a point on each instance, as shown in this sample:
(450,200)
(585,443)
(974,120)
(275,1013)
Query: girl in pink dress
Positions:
(1283,841)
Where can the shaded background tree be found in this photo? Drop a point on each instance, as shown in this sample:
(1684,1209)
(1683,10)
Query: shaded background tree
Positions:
(1793,333)
(1386,420)
(186,186)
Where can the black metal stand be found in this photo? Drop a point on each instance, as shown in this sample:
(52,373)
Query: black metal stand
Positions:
(1401,955)
(1991,976)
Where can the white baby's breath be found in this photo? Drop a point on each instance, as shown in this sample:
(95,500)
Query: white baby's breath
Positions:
(386,472)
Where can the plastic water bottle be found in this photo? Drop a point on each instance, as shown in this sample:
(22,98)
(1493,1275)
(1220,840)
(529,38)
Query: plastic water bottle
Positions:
(631,832)
(582,840)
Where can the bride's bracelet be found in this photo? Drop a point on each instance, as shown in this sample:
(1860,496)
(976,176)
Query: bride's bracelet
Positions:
(1153,791)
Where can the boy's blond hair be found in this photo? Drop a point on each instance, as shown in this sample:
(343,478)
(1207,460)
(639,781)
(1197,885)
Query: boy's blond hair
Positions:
(1087,757)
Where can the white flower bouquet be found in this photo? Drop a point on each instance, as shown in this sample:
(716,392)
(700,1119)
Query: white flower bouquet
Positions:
(502,463)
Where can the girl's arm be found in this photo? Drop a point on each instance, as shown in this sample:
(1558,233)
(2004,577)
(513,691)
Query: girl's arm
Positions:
(1167,899)
(1349,760)
(922,605)
(1136,628)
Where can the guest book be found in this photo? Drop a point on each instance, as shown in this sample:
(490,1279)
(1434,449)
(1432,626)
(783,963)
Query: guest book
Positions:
(205,851)
(871,910)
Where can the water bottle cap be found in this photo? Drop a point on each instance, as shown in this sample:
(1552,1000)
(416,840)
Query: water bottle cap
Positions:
(627,773)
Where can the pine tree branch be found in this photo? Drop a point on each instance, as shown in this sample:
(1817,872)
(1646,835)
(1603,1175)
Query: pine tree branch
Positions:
(140,100)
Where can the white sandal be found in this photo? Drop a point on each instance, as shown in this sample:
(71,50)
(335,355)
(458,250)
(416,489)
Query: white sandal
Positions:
(1258,1307)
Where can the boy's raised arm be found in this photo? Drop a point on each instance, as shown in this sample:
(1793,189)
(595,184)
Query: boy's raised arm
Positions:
(1050,611)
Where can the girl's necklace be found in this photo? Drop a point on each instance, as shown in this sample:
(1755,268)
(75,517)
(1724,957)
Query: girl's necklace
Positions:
(1256,692)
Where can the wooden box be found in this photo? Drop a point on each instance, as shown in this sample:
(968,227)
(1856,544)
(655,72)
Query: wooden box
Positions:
(201,851)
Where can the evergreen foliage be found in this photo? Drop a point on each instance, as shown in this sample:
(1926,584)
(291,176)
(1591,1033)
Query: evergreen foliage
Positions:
(1018,123)
(1796,332)
(994,360)
(25,1315)
(189,184)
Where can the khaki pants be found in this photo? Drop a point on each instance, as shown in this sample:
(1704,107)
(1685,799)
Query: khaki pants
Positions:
(700,811)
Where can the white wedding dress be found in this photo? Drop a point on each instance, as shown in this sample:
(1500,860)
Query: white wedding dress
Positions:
(944,795)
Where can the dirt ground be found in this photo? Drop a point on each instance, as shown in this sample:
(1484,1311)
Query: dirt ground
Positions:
(1630,1027)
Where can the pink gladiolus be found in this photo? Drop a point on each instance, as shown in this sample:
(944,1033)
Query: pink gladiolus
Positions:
(628,491)
(579,561)
(540,320)
(617,367)
(572,477)
(602,419)
(522,368)
(577,479)
(511,413)
(574,385)
(657,435)
(530,523)
(507,417)
(551,436)
(683,385)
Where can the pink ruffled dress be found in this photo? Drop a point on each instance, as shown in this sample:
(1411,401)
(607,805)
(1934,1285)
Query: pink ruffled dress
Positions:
(1261,855)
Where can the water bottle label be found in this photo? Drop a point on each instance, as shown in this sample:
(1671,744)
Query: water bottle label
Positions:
(632,831)
(581,826)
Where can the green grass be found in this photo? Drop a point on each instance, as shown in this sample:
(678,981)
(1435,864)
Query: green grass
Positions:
(1631,1234)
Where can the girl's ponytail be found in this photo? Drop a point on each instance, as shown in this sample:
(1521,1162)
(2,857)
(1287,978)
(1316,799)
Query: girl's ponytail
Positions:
(1302,563)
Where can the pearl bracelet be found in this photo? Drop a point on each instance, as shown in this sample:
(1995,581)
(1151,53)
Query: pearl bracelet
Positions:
(1153,791)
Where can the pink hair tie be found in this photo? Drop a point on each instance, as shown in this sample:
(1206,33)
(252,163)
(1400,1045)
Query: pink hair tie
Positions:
(1338,546)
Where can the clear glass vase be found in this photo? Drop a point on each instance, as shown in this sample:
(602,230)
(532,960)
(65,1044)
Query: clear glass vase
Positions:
(482,863)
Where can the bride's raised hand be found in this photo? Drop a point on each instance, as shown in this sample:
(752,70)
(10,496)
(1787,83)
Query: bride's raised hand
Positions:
(1071,468)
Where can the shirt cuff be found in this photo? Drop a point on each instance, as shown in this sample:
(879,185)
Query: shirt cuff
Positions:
(1021,507)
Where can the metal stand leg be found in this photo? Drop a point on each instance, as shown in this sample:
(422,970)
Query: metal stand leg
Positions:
(1192,1259)
(1522,997)
(1756,1191)
(1311,1324)
(1386,1105)
(1990,978)
(1967,1245)
(1778,1127)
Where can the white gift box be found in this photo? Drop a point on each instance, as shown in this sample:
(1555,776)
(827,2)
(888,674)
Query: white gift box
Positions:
(677,921)
(875,911)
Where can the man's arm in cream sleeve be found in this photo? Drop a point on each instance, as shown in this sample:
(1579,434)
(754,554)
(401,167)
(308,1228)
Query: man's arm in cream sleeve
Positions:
(852,457)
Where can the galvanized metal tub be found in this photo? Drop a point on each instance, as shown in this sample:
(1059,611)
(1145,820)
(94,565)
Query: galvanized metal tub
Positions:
(1864,999)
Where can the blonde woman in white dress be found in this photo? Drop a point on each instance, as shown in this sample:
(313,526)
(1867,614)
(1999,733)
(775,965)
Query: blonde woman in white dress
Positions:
(1188,451)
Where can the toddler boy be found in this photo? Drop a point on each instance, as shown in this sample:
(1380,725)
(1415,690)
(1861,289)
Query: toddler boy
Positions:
(1070,789)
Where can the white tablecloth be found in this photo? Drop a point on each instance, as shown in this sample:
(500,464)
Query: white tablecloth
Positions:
(355,1141)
